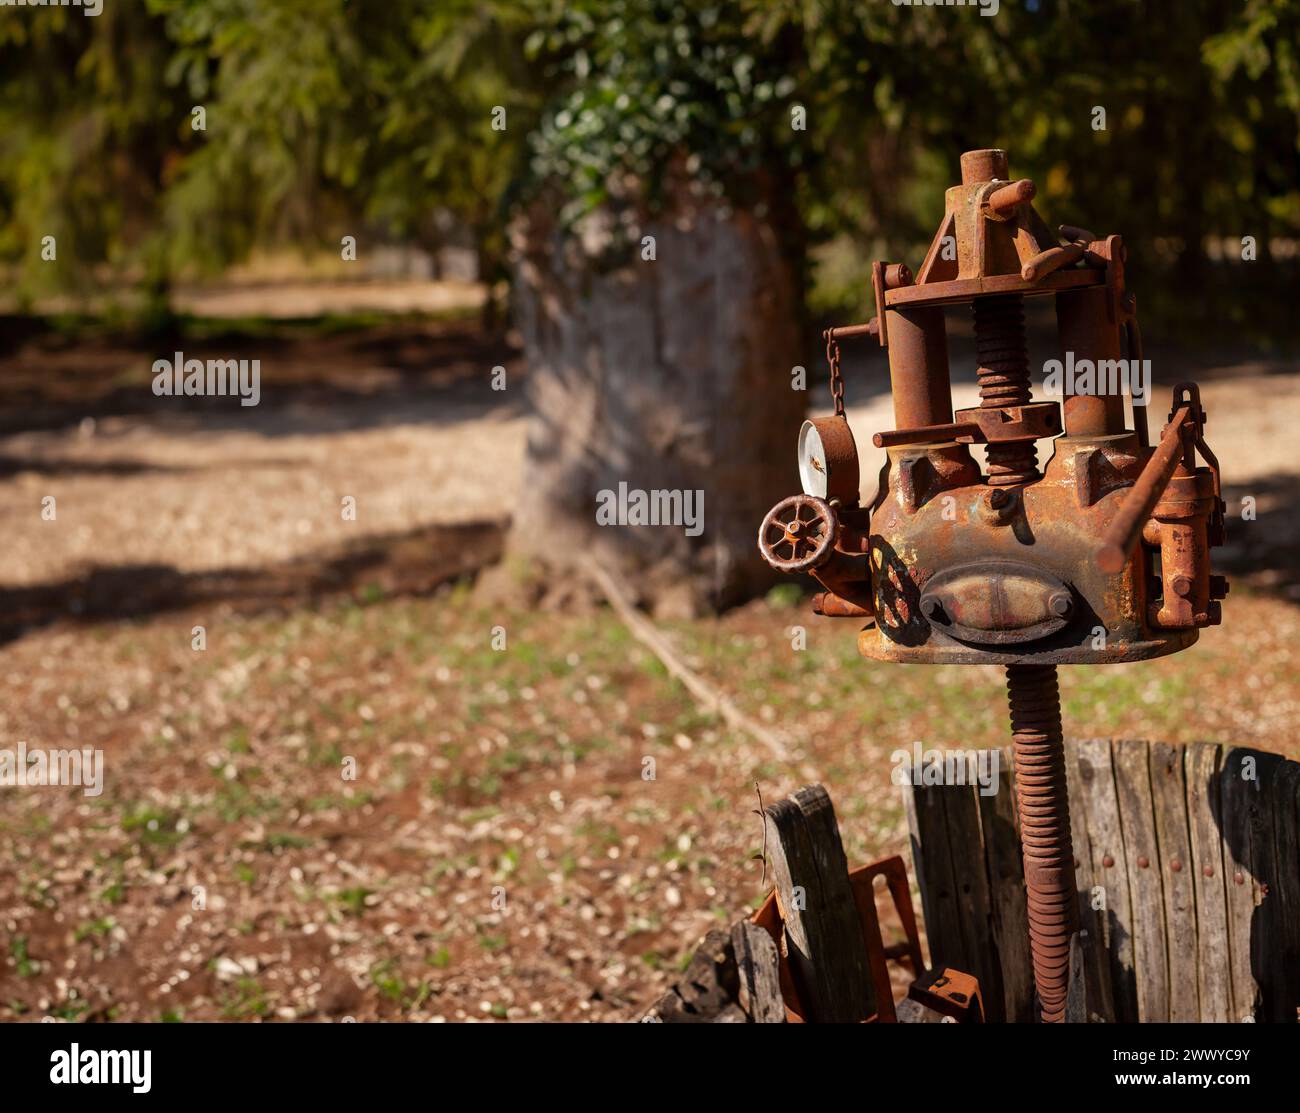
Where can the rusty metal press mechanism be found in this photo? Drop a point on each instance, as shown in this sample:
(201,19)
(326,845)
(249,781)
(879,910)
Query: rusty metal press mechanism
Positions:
(1099,557)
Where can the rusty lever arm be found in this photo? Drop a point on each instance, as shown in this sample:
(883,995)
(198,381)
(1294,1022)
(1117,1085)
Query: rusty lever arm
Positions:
(1125,529)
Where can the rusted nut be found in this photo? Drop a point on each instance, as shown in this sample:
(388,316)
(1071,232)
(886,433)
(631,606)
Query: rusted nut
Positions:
(1214,614)
(1143,862)
(1108,861)
(998,506)
(896,275)
(1061,604)
(1182,585)
(1218,587)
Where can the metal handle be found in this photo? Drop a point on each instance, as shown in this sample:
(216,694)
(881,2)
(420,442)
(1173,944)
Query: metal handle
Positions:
(1123,532)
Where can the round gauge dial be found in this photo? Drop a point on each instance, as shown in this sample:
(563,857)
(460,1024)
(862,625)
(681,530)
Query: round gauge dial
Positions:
(828,460)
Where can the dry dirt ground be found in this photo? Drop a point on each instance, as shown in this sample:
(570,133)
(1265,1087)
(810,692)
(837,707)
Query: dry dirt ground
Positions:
(356,799)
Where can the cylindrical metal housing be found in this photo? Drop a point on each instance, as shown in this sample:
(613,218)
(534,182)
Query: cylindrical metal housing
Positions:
(918,367)
(1086,333)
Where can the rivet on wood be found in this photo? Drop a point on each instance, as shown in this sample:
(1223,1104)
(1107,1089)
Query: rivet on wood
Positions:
(1208,871)
(1176,866)
(1238,879)
(1143,862)
(1108,861)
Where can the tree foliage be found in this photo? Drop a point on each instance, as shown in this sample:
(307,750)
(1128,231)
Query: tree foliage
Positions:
(323,113)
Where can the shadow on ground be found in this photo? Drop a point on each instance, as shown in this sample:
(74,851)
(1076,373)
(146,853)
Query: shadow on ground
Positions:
(409,564)
(312,379)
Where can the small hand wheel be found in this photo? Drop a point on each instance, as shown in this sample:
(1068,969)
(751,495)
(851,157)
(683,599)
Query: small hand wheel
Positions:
(798,534)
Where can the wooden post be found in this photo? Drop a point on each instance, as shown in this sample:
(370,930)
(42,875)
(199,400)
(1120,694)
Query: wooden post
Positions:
(1169,798)
(1234,825)
(827,956)
(1286,843)
(1213,973)
(1006,878)
(1106,845)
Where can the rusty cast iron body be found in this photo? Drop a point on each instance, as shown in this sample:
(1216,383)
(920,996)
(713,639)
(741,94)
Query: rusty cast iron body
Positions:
(1101,556)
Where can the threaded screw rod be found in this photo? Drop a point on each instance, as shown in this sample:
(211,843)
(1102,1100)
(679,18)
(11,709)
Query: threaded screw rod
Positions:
(1003,375)
(1044,807)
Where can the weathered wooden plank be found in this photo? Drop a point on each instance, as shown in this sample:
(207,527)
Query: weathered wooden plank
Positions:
(1111,887)
(759,968)
(827,955)
(1236,779)
(706,990)
(1006,873)
(1141,858)
(1213,964)
(1092,937)
(1267,932)
(971,885)
(928,824)
(1169,803)
(1285,806)
(1076,994)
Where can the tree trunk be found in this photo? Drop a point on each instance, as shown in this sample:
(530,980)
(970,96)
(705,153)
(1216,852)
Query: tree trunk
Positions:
(671,374)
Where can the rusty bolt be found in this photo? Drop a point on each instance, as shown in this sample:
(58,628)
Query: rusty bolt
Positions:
(896,275)
(1143,862)
(1108,861)
(1061,603)
(1218,587)
(998,506)
(1182,585)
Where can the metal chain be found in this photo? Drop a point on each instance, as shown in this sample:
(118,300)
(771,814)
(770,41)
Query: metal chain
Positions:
(837,380)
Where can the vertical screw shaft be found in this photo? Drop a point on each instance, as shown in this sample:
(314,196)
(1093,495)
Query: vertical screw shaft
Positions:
(1044,806)
(1003,375)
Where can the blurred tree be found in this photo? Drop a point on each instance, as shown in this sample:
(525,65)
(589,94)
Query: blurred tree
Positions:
(325,111)
(435,145)
(659,279)
(89,131)
(319,114)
